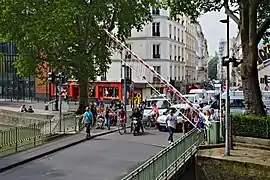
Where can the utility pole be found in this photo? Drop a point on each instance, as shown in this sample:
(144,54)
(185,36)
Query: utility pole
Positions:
(227,64)
(60,102)
(125,89)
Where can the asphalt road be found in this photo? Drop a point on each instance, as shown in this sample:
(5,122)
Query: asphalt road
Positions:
(105,158)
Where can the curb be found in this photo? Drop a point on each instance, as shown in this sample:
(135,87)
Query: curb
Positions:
(3,169)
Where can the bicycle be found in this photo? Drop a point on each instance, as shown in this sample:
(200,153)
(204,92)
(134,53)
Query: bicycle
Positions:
(122,127)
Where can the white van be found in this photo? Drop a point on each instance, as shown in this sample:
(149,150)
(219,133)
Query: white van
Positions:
(194,98)
(162,104)
(161,121)
(201,93)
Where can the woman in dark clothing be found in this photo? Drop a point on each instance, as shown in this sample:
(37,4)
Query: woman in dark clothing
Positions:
(93,110)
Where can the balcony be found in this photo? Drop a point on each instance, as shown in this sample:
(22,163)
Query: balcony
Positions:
(157,56)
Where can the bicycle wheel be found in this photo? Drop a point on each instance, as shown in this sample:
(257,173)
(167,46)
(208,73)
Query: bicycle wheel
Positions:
(121,128)
(147,125)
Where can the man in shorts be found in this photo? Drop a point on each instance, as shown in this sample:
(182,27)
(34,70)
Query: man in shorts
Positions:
(87,118)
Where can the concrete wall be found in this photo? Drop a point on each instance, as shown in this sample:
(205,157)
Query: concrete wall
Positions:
(12,118)
(208,168)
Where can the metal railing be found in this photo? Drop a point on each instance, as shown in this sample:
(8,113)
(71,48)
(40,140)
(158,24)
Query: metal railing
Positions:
(169,160)
(20,138)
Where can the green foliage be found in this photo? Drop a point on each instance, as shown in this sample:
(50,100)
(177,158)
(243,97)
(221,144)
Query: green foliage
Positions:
(212,68)
(69,34)
(251,126)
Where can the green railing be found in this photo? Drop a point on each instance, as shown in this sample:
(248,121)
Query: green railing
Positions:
(20,138)
(169,160)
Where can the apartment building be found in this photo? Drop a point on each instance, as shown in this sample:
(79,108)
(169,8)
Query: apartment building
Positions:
(169,45)
(202,55)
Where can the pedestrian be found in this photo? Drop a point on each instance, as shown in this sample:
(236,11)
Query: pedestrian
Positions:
(108,119)
(87,118)
(171,123)
(94,112)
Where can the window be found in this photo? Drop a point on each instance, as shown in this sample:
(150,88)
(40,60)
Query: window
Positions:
(182,34)
(174,33)
(179,72)
(156,29)
(155,11)
(170,71)
(170,51)
(262,80)
(129,72)
(127,54)
(175,73)
(175,55)
(178,35)
(158,70)
(156,51)
(170,31)
(179,53)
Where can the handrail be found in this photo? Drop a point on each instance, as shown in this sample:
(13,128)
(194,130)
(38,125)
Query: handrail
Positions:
(160,165)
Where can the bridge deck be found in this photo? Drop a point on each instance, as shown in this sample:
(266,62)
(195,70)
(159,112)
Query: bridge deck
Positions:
(107,157)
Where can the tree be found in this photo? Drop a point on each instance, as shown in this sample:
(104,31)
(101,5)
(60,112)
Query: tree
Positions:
(253,19)
(212,68)
(69,34)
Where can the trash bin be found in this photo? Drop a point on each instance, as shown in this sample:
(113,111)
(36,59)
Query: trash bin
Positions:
(213,133)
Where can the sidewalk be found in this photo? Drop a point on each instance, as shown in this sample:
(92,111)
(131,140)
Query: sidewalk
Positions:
(14,160)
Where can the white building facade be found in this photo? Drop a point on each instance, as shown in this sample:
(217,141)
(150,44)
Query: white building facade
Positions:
(167,45)
(202,55)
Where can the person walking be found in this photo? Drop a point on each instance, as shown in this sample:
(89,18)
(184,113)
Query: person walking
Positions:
(87,118)
(107,116)
(171,123)
(93,110)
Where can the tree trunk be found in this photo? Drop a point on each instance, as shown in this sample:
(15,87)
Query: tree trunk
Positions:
(83,101)
(249,72)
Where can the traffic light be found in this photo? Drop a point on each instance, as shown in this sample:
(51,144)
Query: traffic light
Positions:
(51,77)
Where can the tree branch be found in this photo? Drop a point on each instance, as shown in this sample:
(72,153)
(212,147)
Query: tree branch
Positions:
(231,15)
(262,29)
(110,28)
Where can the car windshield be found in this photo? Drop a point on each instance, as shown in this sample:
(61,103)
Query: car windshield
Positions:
(169,110)
(161,104)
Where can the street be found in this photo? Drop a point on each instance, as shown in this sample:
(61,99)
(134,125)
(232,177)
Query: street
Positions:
(104,158)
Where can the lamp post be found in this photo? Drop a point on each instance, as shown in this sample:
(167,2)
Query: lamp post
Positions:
(227,115)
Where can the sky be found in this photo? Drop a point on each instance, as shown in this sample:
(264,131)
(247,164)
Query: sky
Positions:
(214,30)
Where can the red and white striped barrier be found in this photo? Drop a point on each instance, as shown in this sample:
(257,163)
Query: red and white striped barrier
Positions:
(163,80)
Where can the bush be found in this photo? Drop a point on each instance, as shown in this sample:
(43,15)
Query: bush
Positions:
(251,126)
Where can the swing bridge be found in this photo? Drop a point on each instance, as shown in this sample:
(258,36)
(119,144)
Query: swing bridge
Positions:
(166,163)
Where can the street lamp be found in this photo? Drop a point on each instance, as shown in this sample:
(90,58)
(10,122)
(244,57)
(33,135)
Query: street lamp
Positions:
(227,133)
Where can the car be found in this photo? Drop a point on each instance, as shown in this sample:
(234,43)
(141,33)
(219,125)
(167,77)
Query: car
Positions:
(161,121)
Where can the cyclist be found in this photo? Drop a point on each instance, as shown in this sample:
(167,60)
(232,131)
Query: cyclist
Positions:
(122,116)
(155,112)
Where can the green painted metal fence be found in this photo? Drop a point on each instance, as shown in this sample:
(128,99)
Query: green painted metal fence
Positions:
(20,138)
(168,161)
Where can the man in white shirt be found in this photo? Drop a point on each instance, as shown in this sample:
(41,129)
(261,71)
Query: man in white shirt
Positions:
(171,123)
